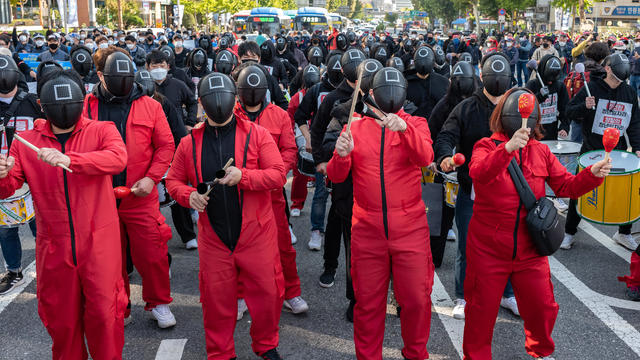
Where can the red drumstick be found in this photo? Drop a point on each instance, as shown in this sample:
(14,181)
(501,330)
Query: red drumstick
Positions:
(526,103)
(457,160)
(610,139)
(121,192)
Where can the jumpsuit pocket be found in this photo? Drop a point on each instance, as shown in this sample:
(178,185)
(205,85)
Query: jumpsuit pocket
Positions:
(163,229)
(279,278)
(540,175)
(121,299)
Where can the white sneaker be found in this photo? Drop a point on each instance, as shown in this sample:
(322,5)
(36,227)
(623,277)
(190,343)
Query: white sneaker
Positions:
(510,304)
(567,242)
(451,235)
(295,212)
(294,239)
(311,184)
(545,358)
(242,308)
(458,310)
(191,244)
(315,243)
(297,305)
(626,240)
(560,205)
(163,316)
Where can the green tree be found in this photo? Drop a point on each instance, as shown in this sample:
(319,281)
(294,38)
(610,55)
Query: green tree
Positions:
(437,9)
(574,6)
(358,12)
(391,18)
(333,5)
(108,15)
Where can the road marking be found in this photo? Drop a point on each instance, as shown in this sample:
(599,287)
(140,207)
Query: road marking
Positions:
(605,240)
(171,349)
(598,305)
(443,306)
(29,274)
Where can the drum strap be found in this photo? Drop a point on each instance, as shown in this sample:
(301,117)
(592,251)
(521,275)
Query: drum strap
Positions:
(21,95)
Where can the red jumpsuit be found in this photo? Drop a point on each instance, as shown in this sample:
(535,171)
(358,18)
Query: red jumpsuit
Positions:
(150,149)
(255,261)
(634,278)
(494,254)
(299,182)
(80,287)
(389,232)
(277,122)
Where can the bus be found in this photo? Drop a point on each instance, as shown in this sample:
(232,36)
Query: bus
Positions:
(312,19)
(338,21)
(239,21)
(268,21)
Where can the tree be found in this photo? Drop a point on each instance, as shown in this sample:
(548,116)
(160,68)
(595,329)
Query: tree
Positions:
(108,15)
(357,10)
(391,18)
(575,5)
(333,5)
(437,9)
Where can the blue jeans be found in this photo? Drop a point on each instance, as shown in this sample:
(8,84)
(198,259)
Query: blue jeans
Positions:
(634,81)
(11,247)
(464,210)
(319,204)
(521,70)
(576,132)
(476,69)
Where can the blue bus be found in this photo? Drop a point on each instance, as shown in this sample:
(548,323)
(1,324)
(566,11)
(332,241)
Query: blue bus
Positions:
(312,19)
(268,21)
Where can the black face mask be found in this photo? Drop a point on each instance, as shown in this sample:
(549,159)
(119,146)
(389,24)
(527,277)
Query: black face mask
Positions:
(9,74)
(53,46)
(496,75)
(545,45)
(63,116)
(511,118)
(389,90)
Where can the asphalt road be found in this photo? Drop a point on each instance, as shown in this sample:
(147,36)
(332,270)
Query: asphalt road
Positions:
(595,320)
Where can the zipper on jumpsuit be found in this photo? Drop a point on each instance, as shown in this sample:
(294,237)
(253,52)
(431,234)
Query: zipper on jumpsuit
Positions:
(224,194)
(384,192)
(66,196)
(515,230)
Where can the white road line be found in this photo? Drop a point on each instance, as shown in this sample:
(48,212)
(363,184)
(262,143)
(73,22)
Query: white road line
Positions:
(29,274)
(597,304)
(443,306)
(171,349)
(605,240)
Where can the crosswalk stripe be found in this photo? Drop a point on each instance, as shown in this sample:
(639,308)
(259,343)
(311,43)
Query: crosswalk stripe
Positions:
(29,274)
(171,349)
(605,240)
(443,306)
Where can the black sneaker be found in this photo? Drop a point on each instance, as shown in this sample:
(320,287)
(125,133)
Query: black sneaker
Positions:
(271,355)
(349,313)
(327,278)
(9,281)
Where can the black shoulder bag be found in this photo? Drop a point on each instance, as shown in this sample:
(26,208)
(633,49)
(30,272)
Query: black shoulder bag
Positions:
(542,215)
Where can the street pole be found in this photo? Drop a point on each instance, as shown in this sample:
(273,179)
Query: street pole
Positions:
(179,17)
(120,23)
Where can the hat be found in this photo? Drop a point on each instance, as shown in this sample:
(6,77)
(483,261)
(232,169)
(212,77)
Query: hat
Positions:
(52,37)
(38,35)
(619,45)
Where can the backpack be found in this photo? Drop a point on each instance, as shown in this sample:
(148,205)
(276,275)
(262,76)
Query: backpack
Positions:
(574,82)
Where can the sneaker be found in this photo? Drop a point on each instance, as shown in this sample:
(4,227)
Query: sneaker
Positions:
(311,184)
(327,278)
(163,316)
(633,293)
(9,281)
(296,305)
(242,308)
(349,312)
(191,244)
(294,239)
(458,310)
(271,355)
(626,240)
(567,242)
(510,304)
(560,205)
(545,358)
(295,212)
(315,243)
(451,235)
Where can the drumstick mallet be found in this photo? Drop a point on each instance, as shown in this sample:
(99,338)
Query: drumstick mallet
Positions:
(580,69)
(610,139)
(457,160)
(532,65)
(526,104)
(219,175)
(354,100)
(30,146)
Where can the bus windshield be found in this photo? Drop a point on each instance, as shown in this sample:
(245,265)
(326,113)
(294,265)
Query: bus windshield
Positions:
(311,23)
(269,25)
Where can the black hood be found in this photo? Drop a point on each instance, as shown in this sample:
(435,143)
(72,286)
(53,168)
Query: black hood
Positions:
(595,70)
(267,52)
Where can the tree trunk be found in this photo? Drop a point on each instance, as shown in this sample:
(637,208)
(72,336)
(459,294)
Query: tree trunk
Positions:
(476,14)
(581,12)
(120,22)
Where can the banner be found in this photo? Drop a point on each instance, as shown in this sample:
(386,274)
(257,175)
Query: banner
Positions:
(62,9)
(72,13)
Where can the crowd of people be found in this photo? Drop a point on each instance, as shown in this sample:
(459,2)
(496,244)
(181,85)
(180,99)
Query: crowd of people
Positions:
(219,121)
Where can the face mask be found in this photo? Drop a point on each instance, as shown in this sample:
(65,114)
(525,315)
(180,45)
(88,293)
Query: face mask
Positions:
(158,74)
(545,45)
(53,46)
(562,43)
(131,46)
(23,38)
(83,36)
(104,45)
(178,44)
(523,38)
(39,43)
(488,45)
(509,43)
(110,42)
(121,39)
(90,46)
(456,41)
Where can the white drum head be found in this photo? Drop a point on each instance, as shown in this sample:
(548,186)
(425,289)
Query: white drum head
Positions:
(563,147)
(622,162)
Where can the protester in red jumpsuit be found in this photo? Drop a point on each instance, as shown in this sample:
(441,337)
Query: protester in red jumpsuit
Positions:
(236,231)
(390,231)
(80,288)
(252,87)
(145,130)
(499,246)
(633,280)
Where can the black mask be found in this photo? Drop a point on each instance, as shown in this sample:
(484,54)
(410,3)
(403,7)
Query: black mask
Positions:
(252,85)
(496,74)
(81,61)
(225,62)
(334,70)
(118,74)
(423,60)
(310,75)
(397,63)
(550,68)
(368,68)
(511,118)
(9,74)
(143,78)
(266,52)
(281,44)
(545,45)
(462,79)
(53,46)
(389,90)
(314,55)
(381,54)
(350,61)
(198,59)
(62,101)
(619,65)
(217,94)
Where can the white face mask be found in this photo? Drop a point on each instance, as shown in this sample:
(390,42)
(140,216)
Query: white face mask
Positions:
(83,36)
(158,74)
(178,44)
(23,38)
(141,39)
(39,43)
(489,45)
(121,39)
(509,43)
(131,46)
(109,42)
(90,45)
(562,43)
(523,38)
(637,44)
(103,45)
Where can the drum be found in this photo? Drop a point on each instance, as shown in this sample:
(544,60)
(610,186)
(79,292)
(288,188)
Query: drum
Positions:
(163,194)
(306,166)
(567,153)
(17,209)
(427,176)
(451,187)
(617,200)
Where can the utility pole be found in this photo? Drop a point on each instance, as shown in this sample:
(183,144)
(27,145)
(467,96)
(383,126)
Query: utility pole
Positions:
(120,23)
